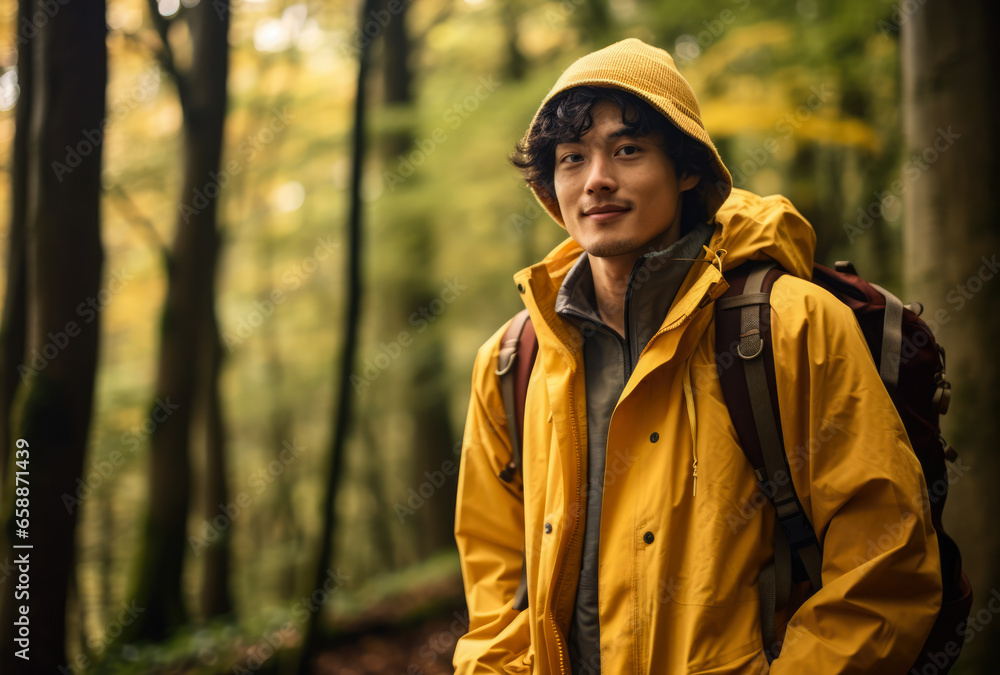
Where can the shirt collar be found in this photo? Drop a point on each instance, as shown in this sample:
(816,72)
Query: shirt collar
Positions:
(655,280)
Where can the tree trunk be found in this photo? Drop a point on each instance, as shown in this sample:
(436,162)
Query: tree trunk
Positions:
(191,284)
(952,239)
(13,320)
(64,260)
(516,64)
(423,396)
(216,599)
(343,389)
(433,448)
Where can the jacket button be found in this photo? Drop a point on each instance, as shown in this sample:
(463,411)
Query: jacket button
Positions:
(648,537)
(548,528)
(520,288)
(654,437)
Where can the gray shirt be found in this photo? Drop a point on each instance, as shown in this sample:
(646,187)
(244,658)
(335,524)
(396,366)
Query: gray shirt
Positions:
(609,360)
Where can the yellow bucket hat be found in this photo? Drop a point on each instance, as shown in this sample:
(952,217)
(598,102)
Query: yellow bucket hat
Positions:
(650,73)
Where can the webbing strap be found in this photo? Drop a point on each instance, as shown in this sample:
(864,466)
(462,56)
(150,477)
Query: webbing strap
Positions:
(812,560)
(776,583)
(760,396)
(743,300)
(505,370)
(772,595)
(892,340)
(768,631)
(793,535)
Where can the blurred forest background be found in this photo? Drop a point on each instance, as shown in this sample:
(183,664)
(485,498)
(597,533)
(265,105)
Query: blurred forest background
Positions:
(225,477)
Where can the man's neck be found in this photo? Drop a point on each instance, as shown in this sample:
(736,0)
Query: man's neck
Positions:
(611,277)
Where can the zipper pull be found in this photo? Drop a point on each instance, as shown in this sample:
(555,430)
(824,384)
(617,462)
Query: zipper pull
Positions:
(694,477)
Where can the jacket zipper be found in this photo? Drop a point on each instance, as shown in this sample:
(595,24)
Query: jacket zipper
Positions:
(630,330)
(560,641)
(570,393)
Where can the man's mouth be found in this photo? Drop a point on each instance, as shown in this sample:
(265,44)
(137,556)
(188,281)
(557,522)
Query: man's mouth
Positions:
(605,211)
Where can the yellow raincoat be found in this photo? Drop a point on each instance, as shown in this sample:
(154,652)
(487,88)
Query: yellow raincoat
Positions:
(685,529)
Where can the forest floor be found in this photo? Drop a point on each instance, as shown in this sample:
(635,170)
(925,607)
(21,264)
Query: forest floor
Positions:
(422,648)
(412,631)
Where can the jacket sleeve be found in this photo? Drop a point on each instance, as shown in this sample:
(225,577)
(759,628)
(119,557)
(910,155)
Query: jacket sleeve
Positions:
(862,487)
(489,530)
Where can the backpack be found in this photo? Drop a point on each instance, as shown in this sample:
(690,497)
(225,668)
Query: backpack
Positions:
(911,365)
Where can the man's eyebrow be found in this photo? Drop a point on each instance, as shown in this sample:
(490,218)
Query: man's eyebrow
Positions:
(623,131)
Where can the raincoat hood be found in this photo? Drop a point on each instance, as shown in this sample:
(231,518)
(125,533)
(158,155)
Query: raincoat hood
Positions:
(649,73)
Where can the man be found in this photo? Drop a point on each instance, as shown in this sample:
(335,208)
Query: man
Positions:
(637,515)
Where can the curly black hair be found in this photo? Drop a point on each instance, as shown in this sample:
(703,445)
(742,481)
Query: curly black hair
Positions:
(567,117)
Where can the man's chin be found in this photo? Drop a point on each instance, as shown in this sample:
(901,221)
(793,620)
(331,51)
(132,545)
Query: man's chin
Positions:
(610,249)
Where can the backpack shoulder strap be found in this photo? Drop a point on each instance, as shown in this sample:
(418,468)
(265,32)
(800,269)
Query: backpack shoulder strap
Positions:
(745,360)
(518,349)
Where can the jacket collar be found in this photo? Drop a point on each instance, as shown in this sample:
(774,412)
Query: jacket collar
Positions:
(746,227)
(652,288)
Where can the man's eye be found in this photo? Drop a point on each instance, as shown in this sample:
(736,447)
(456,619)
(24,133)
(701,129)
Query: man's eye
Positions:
(628,150)
(573,157)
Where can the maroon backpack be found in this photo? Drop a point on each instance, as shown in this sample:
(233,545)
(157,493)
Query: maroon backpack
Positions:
(911,365)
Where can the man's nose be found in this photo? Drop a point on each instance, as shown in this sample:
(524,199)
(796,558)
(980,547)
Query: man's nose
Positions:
(601,176)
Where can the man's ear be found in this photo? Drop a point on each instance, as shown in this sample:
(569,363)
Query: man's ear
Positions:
(687,182)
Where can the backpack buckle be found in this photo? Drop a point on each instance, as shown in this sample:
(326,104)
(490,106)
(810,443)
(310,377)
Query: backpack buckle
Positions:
(750,338)
(942,394)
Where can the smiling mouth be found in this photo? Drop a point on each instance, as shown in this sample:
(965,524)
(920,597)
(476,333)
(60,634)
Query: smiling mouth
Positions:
(603,213)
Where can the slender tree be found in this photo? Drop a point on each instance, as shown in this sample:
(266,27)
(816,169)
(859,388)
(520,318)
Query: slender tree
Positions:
(186,328)
(516,63)
(209,427)
(63,261)
(424,396)
(344,398)
(952,243)
(13,319)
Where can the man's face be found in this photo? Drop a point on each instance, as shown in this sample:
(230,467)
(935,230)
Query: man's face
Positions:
(619,195)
